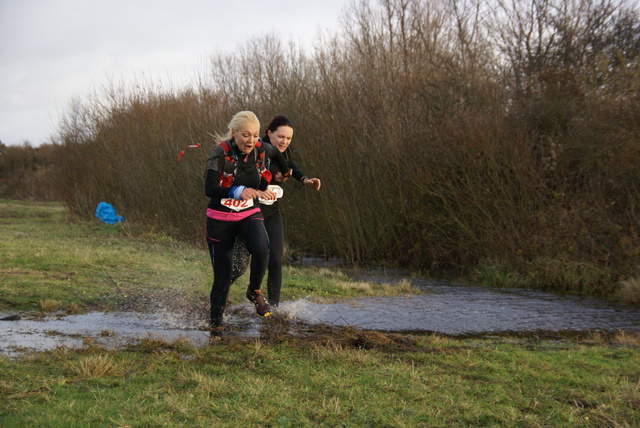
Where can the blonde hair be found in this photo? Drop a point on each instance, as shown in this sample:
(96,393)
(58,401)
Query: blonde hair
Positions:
(239,120)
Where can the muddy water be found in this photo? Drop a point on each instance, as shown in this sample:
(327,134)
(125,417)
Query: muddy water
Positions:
(114,329)
(442,308)
(457,310)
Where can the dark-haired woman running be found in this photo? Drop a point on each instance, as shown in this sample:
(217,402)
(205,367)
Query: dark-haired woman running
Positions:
(279,134)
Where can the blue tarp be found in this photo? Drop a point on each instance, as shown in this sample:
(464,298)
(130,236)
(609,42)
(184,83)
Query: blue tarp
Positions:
(107,214)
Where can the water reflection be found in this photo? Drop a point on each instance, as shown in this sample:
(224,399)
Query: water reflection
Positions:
(458,310)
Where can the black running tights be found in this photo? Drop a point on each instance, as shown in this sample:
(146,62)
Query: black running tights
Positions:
(221,236)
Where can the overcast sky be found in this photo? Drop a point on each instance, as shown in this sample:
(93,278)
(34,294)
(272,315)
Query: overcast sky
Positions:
(53,51)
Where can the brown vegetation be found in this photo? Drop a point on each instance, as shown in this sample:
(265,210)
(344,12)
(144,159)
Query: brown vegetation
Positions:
(26,172)
(501,138)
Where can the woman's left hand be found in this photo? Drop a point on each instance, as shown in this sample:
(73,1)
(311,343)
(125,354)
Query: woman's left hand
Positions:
(315,182)
(267,195)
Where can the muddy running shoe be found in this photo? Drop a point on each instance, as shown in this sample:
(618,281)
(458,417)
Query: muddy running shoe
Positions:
(262,306)
(217,324)
(216,332)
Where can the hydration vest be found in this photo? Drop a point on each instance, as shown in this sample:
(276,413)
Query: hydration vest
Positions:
(230,170)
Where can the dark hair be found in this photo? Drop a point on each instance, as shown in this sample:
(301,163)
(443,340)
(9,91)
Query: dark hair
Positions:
(277,122)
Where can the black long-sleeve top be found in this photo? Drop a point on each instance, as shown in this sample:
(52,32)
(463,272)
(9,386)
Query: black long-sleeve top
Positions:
(228,172)
(268,210)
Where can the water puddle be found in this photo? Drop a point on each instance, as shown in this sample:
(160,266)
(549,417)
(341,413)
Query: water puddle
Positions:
(457,311)
(112,330)
(441,308)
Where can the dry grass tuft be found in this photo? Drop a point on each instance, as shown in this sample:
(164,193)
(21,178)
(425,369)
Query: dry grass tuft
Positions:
(331,273)
(49,305)
(434,340)
(384,289)
(94,366)
(73,309)
(361,286)
(626,338)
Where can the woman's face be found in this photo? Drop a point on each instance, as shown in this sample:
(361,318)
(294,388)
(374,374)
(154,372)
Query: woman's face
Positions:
(246,136)
(281,137)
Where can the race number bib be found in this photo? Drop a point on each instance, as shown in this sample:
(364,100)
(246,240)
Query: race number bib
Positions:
(237,204)
(275,189)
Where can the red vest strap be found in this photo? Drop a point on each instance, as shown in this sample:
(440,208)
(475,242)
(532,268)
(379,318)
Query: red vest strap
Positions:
(225,146)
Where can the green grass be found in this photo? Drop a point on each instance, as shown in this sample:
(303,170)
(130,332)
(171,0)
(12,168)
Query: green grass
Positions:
(97,266)
(89,264)
(333,377)
(349,378)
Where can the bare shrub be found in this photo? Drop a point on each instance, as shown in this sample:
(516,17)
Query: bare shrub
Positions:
(130,158)
(447,134)
(25,172)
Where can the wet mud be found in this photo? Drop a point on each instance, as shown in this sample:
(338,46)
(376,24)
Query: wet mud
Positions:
(440,308)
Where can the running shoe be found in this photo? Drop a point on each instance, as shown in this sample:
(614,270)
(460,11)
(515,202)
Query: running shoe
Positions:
(216,332)
(262,306)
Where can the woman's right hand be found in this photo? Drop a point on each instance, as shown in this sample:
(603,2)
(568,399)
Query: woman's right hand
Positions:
(250,193)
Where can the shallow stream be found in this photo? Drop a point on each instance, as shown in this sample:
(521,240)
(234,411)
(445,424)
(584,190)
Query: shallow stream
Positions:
(440,308)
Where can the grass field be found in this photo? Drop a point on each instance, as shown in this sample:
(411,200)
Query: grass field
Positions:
(332,377)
